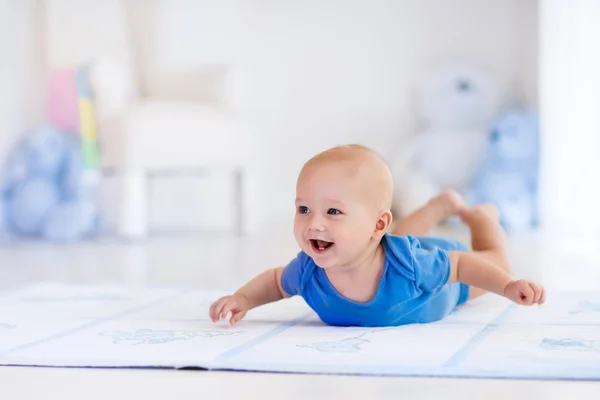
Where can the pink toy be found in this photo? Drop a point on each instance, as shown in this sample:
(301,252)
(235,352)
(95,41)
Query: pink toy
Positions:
(70,107)
(62,103)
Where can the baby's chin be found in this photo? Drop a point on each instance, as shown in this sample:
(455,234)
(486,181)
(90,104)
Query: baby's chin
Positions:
(325,262)
(324,265)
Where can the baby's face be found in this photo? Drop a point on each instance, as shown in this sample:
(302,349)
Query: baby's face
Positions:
(335,220)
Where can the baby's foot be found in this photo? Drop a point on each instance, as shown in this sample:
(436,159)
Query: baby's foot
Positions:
(450,203)
(486,210)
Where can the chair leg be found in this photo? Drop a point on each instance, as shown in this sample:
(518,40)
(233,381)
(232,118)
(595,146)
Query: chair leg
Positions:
(246,201)
(133,219)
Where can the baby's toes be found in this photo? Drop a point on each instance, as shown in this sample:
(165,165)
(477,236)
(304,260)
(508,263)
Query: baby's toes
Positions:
(451,202)
(455,201)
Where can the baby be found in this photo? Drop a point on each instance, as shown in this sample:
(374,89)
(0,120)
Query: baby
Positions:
(352,272)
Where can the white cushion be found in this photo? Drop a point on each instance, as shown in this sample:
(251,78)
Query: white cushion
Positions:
(163,135)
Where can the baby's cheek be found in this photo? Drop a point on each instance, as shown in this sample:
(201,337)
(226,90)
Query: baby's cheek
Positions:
(352,240)
(298,227)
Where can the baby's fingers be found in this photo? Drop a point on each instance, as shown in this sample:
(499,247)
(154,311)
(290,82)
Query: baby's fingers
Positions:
(211,310)
(542,299)
(527,295)
(216,309)
(229,307)
(537,293)
(238,315)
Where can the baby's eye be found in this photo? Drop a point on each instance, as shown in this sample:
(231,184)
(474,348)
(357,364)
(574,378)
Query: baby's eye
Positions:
(303,210)
(333,211)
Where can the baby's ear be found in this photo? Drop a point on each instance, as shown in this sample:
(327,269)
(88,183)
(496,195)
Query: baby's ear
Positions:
(383,223)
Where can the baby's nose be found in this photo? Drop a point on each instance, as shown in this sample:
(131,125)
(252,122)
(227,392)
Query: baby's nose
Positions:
(316,223)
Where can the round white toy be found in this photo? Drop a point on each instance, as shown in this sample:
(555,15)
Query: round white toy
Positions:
(455,108)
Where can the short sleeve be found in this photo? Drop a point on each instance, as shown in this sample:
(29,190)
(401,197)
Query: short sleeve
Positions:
(431,267)
(293,273)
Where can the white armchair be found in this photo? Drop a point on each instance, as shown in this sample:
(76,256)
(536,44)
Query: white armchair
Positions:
(152,136)
(140,136)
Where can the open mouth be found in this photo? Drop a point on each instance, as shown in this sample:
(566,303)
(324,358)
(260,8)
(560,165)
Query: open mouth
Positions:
(320,246)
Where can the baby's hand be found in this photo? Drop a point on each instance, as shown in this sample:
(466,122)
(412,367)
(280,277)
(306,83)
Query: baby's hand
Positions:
(525,292)
(236,304)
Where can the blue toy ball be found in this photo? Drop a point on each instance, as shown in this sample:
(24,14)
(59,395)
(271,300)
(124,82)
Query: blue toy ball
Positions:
(508,176)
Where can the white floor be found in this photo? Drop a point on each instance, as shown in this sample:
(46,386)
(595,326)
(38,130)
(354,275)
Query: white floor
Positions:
(225,261)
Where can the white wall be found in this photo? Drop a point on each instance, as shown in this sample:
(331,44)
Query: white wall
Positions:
(21,70)
(313,73)
(570,122)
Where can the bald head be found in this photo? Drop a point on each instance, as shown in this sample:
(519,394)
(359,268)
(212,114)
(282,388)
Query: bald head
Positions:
(367,169)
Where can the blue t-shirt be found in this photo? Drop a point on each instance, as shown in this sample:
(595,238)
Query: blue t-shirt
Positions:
(412,288)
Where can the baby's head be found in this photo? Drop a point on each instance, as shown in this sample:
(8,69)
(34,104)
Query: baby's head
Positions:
(343,200)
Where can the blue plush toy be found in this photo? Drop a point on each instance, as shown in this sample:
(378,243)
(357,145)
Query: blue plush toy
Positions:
(42,191)
(509,174)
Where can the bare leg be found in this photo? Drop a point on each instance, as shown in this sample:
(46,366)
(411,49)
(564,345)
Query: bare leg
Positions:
(424,219)
(488,239)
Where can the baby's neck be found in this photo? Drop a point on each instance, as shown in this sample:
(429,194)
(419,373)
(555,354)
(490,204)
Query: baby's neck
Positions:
(359,281)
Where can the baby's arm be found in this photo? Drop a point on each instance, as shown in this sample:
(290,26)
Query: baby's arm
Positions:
(264,288)
(476,271)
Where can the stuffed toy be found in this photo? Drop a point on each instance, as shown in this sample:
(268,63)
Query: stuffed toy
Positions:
(49,183)
(42,193)
(456,107)
(508,175)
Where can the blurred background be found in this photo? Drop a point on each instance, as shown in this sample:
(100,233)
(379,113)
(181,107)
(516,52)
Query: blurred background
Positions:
(135,119)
